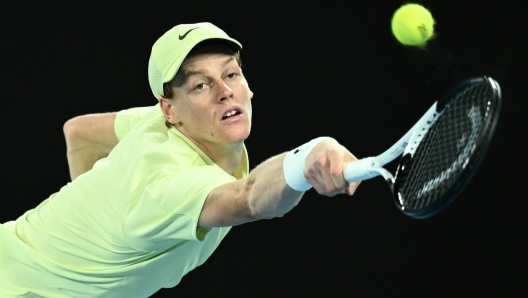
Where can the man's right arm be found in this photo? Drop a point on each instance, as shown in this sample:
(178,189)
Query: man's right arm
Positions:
(88,139)
(265,193)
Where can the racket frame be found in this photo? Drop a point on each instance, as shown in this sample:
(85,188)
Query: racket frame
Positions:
(471,164)
(370,167)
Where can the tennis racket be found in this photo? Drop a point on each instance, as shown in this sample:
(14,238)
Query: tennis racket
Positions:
(441,152)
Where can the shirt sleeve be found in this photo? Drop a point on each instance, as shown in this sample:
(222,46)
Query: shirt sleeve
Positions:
(169,209)
(127,119)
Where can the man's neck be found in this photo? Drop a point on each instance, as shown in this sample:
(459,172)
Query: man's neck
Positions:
(226,156)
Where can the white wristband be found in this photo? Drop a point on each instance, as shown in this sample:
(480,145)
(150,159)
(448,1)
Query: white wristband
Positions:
(295,162)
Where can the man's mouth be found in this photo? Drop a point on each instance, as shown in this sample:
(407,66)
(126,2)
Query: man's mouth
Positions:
(230,114)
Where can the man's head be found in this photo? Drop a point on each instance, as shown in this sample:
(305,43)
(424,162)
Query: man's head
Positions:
(201,93)
(169,51)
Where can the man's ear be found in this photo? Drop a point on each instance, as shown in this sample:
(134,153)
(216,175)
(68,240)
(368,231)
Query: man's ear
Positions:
(167,107)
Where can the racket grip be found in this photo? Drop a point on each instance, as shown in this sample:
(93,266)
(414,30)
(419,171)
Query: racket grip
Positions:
(362,169)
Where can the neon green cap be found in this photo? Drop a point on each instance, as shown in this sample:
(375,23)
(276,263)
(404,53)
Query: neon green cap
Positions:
(169,51)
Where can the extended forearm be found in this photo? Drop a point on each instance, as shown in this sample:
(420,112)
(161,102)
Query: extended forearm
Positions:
(268,193)
(265,193)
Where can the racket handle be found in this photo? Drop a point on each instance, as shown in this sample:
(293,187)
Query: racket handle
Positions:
(362,169)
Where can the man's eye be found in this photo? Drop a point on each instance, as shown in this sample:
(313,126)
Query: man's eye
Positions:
(231,75)
(199,87)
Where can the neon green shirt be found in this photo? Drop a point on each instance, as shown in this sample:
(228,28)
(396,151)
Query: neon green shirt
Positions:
(126,228)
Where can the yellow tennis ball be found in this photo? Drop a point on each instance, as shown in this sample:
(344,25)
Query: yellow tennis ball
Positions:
(412,25)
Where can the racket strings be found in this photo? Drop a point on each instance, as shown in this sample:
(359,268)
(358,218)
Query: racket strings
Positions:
(445,150)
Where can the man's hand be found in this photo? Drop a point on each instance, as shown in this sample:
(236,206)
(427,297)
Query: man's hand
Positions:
(324,169)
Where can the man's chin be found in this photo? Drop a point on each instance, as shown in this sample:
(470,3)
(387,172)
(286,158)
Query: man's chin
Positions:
(238,134)
(239,138)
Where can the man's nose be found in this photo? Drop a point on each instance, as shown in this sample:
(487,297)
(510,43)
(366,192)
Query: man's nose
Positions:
(225,91)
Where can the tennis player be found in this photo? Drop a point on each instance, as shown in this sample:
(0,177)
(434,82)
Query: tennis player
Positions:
(155,189)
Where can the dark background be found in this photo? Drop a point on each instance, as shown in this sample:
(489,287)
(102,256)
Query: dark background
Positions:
(317,68)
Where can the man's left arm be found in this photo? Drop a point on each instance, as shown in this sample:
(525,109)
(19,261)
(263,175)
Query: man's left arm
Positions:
(88,139)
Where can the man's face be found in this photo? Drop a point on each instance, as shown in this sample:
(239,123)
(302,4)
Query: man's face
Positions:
(212,103)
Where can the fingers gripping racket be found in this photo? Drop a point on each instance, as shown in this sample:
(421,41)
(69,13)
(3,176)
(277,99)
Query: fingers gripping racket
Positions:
(441,152)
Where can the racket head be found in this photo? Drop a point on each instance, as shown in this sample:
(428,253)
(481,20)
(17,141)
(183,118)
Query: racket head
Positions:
(450,150)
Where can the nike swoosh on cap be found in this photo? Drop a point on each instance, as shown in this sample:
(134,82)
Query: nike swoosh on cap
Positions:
(183,36)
